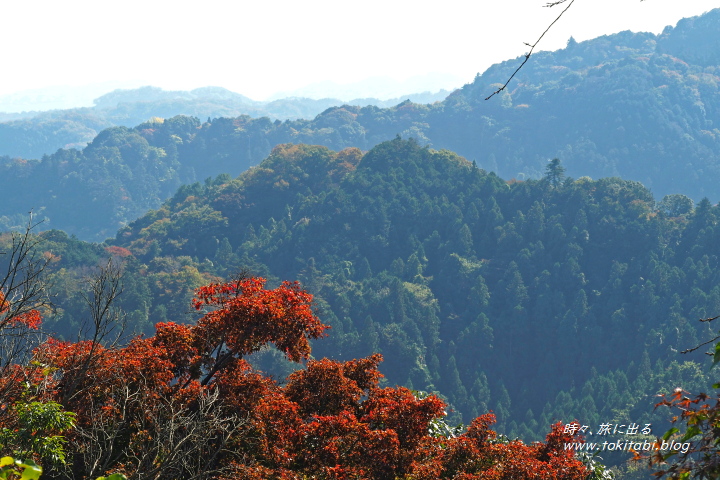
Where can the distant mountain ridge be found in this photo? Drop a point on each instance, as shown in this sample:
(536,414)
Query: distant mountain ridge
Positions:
(615,106)
(34,134)
(156,94)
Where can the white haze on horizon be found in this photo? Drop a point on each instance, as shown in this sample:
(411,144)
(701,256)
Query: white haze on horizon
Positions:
(76,50)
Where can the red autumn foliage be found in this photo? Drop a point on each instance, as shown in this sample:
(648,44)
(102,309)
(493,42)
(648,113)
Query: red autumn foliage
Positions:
(327,387)
(31,319)
(250,317)
(243,388)
(161,405)
(116,251)
(478,454)
(4,304)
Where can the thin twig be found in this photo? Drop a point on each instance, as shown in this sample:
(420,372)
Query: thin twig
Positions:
(532,47)
(702,344)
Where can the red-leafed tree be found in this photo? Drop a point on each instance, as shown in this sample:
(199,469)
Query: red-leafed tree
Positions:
(186,404)
(131,402)
(479,454)
(249,317)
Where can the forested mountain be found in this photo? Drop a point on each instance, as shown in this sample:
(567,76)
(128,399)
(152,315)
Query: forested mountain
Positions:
(542,300)
(34,134)
(633,105)
(492,276)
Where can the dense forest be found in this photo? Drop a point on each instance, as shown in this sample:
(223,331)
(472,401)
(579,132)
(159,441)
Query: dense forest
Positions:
(541,300)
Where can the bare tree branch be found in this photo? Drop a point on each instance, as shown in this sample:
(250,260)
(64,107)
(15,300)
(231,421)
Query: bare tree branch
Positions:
(688,350)
(105,320)
(23,288)
(532,46)
(105,286)
(183,439)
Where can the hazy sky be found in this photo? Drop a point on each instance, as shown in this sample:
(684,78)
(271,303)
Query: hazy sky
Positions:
(257,48)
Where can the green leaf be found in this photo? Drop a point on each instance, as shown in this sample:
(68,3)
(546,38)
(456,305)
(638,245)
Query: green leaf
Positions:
(31,470)
(716,357)
(6,461)
(691,432)
(669,433)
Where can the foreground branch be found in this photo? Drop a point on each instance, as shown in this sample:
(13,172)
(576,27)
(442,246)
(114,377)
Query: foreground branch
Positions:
(532,47)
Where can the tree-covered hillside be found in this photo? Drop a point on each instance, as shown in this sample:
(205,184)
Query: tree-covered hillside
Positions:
(541,300)
(34,134)
(633,105)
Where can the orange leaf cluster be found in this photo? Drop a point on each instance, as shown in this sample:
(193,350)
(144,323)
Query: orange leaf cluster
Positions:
(116,251)
(250,316)
(4,303)
(479,455)
(31,319)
